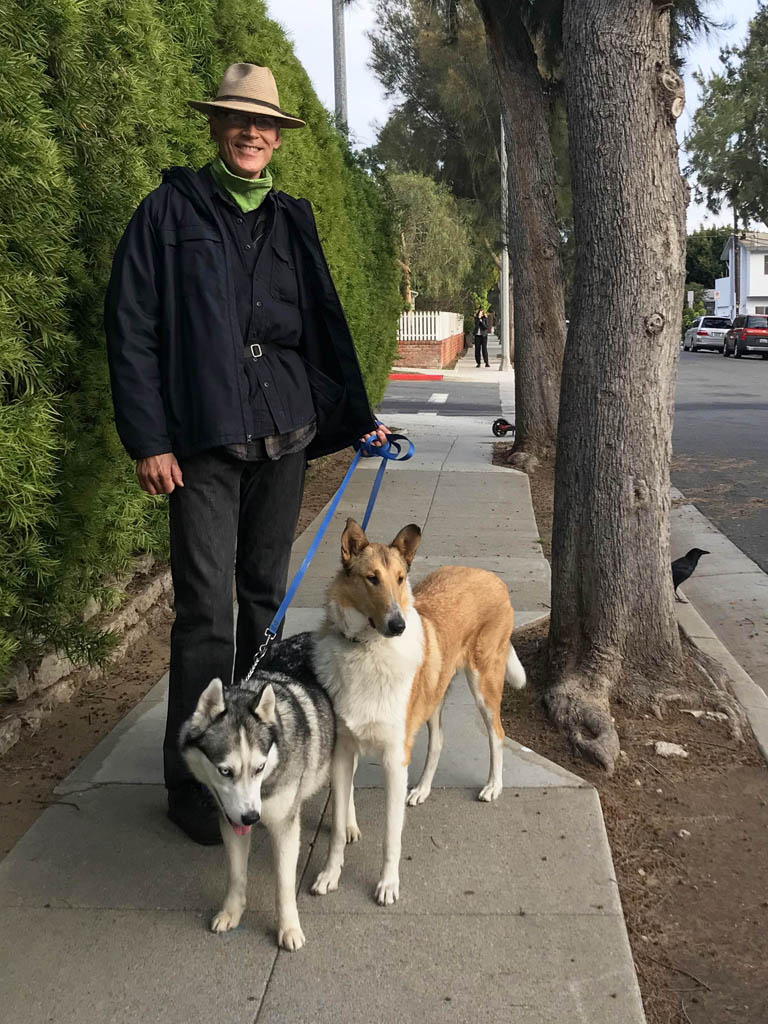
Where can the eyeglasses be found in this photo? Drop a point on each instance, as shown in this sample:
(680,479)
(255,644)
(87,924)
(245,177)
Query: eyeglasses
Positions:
(239,119)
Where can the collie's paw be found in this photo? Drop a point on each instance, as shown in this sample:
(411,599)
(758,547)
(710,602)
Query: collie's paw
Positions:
(418,795)
(291,938)
(491,791)
(387,891)
(327,881)
(226,920)
(353,834)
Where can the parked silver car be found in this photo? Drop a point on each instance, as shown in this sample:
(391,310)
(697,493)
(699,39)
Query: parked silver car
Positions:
(706,332)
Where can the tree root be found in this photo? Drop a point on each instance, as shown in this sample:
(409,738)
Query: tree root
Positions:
(579,704)
(527,462)
(585,721)
(705,682)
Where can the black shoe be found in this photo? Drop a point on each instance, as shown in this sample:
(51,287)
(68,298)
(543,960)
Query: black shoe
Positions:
(191,807)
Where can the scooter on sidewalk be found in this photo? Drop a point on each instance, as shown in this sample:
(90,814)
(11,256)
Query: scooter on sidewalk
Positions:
(502,427)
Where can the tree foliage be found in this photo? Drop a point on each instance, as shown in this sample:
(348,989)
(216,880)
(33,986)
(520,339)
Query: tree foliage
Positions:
(702,258)
(432,57)
(728,142)
(435,241)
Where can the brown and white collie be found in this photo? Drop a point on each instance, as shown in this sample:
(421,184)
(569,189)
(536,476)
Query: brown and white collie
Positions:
(386,655)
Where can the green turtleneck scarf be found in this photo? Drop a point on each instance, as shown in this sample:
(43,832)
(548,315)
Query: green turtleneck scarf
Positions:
(248,193)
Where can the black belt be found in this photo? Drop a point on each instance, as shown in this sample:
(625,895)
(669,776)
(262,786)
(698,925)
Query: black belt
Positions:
(254,351)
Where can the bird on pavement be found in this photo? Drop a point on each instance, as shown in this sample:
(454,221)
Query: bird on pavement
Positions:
(684,567)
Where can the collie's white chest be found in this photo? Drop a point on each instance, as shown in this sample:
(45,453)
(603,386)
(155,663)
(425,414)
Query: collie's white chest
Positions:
(370,682)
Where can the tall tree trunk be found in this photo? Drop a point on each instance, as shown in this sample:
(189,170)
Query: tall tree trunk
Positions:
(534,237)
(613,621)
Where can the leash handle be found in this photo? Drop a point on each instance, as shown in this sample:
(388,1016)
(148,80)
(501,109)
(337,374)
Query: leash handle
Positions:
(391,451)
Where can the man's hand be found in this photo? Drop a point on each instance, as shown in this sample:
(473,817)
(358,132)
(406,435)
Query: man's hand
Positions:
(159,474)
(380,433)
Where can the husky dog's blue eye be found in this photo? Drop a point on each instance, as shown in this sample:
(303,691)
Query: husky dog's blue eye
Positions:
(260,769)
(373,579)
(226,772)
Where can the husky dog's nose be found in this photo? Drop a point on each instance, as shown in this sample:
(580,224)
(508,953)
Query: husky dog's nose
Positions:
(250,818)
(395,625)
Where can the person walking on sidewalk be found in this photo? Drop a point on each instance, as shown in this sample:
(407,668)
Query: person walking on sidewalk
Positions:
(231,363)
(481,337)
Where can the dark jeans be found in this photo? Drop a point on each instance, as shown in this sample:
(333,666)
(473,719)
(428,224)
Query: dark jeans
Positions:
(230,517)
(481,346)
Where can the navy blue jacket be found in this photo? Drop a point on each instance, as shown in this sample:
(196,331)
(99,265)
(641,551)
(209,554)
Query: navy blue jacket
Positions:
(175,347)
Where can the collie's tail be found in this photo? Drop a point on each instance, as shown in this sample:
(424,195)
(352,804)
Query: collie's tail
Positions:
(515,673)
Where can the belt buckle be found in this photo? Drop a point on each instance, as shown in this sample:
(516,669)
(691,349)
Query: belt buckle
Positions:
(256,350)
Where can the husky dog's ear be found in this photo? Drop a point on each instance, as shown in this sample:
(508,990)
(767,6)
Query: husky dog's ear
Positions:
(407,541)
(353,540)
(209,706)
(265,709)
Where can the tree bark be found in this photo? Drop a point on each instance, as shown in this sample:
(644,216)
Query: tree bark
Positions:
(613,622)
(534,238)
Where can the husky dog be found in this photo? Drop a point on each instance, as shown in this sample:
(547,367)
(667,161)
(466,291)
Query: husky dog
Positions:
(262,749)
(386,656)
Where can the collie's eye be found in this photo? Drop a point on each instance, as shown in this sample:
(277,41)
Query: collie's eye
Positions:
(226,772)
(400,579)
(373,579)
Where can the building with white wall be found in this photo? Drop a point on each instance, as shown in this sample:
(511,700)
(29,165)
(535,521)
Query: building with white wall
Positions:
(753,284)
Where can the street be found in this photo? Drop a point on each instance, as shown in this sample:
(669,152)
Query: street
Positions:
(444,397)
(720,443)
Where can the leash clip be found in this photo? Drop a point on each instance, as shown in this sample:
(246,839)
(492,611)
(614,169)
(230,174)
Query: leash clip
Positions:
(270,636)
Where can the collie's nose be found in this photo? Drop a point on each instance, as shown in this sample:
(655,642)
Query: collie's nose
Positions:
(396,625)
(250,818)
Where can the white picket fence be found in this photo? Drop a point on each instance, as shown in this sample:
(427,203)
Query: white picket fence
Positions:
(429,325)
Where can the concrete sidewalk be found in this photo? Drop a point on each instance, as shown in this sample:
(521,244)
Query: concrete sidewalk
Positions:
(508,912)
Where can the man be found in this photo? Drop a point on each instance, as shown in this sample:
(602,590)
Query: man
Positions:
(231,363)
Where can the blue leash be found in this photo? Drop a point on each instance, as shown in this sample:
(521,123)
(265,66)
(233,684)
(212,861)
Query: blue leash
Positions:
(389,452)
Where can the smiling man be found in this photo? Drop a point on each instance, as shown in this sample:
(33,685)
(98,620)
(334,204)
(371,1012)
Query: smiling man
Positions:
(231,363)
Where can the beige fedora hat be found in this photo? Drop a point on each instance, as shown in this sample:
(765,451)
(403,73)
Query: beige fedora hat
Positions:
(251,89)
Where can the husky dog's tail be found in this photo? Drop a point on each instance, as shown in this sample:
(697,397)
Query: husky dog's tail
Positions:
(514,673)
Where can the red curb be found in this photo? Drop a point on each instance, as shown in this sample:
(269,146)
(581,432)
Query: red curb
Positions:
(415,376)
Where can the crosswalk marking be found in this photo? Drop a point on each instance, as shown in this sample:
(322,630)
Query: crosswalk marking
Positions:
(438,397)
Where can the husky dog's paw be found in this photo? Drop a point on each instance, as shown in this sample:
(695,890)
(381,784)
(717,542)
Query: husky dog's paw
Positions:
(327,881)
(387,891)
(491,791)
(291,938)
(226,920)
(353,834)
(418,795)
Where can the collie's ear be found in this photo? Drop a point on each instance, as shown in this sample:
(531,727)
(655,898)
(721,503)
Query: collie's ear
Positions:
(265,709)
(353,540)
(407,541)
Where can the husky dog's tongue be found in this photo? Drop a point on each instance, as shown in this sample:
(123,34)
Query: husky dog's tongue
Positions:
(241,830)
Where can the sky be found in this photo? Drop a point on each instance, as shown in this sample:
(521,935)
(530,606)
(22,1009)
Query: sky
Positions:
(308,24)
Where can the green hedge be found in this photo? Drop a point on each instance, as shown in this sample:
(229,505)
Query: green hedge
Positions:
(91,110)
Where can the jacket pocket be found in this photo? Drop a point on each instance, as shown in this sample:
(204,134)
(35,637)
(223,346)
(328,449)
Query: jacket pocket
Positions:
(327,397)
(189,233)
(284,286)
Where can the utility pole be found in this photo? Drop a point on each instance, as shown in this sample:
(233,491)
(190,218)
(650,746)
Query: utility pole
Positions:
(339,66)
(505,334)
(736,262)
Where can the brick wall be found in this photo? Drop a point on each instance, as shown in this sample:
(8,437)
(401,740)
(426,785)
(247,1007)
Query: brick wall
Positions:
(429,355)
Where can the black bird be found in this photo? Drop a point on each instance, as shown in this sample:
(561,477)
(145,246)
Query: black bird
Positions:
(684,567)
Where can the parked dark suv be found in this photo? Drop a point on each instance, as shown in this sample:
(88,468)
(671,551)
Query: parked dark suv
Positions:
(747,337)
